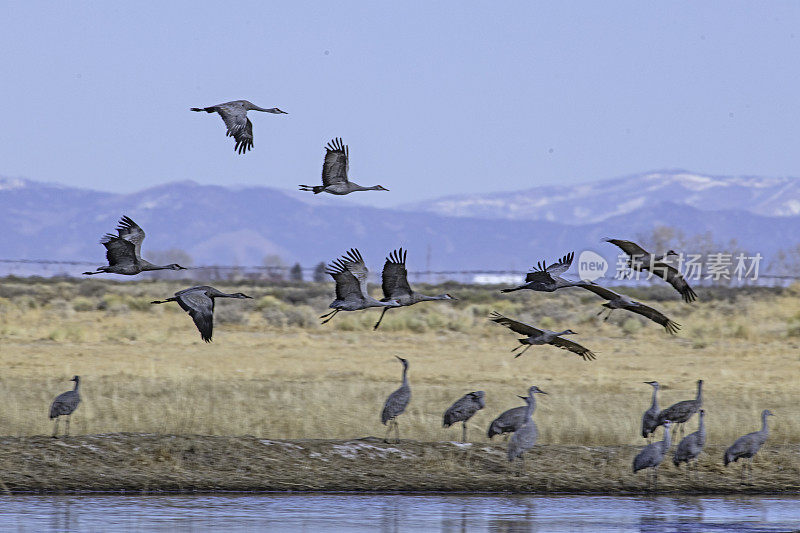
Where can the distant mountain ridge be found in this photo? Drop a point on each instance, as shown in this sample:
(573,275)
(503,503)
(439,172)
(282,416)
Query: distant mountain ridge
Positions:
(601,200)
(241,225)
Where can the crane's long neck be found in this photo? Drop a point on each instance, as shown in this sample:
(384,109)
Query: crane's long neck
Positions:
(702,429)
(667,439)
(150,266)
(405,376)
(699,398)
(764,428)
(425,298)
(655,397)
(531,406)
(77,384)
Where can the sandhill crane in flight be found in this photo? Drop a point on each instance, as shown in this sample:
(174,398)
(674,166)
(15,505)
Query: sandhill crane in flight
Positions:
(123,251)
(395,284)
(463,409)
(350,274)
(536,336)
(659,265)
(234,115)
(334,172)
(199,303)
(547,278)
(622,301)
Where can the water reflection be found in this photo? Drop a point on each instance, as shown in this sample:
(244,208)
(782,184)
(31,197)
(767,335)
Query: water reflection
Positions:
(398,513)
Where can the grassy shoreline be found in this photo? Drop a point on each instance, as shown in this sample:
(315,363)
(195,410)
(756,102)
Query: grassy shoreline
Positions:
(149,463)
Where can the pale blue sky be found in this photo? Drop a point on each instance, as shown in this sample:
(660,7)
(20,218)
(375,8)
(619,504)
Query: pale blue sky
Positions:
(434,98)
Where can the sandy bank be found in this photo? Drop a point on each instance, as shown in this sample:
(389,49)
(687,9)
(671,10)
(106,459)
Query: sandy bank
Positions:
(186,463)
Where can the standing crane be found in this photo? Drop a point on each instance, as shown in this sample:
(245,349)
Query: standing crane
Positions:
(747,446)
(623,301)
(640,259)
(652,455)
(691,446)
(123,251)
(524,438)
(64,405)
(350,274)
(395,284)
(334,172)
(234,115)
(396,404)
(679,413)
(536,336)
(199,303)
(508,421)
(544,278)
(650,417)
(463,409)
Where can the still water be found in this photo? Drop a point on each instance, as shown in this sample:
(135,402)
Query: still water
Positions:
(446,513)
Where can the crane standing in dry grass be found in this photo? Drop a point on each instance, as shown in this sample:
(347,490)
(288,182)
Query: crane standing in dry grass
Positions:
(64,405)
(463,409)
(396,404)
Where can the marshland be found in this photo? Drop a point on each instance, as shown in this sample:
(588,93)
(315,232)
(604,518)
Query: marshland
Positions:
(272,372)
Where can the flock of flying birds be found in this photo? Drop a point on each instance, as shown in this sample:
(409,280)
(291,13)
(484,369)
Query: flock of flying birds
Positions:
(350,273)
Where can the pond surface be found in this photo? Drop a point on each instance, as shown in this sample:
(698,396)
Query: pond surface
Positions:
(358,512)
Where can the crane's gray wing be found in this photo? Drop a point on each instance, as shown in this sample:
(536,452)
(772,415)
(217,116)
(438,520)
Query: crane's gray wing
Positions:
(355,264)
(337,163)
(629,247)
(602,292)
(513,325)
(201,308)
(130,231)
(574,347)
(563,264)
(394,279)
(462,409)
(656,316)
(119,251)
(395,404)
(347,285)
(65,403)
(234,115)
(671,275)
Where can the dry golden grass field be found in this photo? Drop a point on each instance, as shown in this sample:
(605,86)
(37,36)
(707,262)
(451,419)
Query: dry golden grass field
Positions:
(273,372)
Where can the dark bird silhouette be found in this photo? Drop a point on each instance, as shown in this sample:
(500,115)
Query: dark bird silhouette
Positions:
(524,438)
(234,115)
(64,405)
(508,421)
(535,336)
(747,446)
(691,446)
(650,417)
(199,303)
(622,301)
(396,404)
(679,413)
(395,284)
(652,455)
(123,251)
(334,172)
(659,265)
(544,278)
(350,274)
(463,409)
